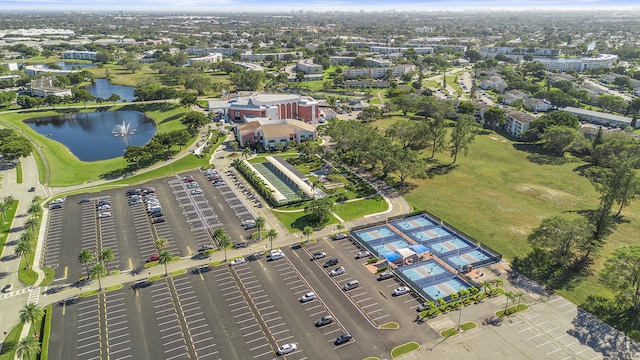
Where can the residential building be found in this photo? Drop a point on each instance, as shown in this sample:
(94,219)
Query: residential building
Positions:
(579,65)
(271,106)
(308,67)
(600,118)
(517,122)
(13,66)
(347,60)
(263,56)
(33,70)
(377,72)
(491,51)
(224,51)
(45,86)
(80,55)
(269,133)
(537,105)
(210,58)
(400,49)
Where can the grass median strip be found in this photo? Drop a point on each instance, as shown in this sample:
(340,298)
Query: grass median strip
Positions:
(390,325)
(404,349)
(454,331)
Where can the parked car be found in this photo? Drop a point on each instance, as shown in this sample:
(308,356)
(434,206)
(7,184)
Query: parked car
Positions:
(424,306)
(337,271)
(196,191)
(351,285)
(330,262)
(237,261)
(159,220)
(131,192)
(343,338)
(157,214)
(339,236)
(286,349)
(104,202)
(325,320)
(192,185)
(135,202)
(319,255)
(148,190)
(401,291)
(276,254)
(308,297)
(206,247)
(188,179)
(240,245)
(84,201)
(32,189)
(385,275)
(153,257)
(362,254)
(104,207)
(105,215)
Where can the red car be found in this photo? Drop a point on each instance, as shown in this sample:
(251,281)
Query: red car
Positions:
(153,257)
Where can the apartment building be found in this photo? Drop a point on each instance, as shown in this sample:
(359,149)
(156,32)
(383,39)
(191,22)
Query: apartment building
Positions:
(600,118)
(80,55)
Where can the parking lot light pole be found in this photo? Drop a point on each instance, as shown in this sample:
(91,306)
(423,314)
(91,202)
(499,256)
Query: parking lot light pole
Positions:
(459,319)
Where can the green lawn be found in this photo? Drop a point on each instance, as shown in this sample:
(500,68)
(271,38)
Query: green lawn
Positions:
(6,218)
(357,209)
(68,170)
(497,195)
(10,342)
(296,221)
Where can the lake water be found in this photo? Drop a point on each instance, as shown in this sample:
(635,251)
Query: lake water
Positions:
(104,88)
(89,135)
(70,65)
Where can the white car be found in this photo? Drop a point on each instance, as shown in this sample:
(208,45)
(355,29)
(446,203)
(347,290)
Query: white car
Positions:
(276,254)
(105,215)
(196,191)
(319,255)
(308,297)
(237,261)
(401,291)
(287,349)
(104,207)
(362,254)
(337,271)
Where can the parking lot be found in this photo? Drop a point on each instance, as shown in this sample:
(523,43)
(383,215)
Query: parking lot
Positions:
(129,229)
(244,311)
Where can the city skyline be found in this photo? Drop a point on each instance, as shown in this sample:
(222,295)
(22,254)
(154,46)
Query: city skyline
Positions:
(315,5)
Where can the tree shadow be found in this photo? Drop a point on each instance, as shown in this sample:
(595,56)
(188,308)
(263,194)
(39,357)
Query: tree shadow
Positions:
(440,169)
(538,265)
(548,159)
(602,338)
(8,347)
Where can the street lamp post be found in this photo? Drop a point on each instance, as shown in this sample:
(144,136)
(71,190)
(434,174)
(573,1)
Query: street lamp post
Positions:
(459,319)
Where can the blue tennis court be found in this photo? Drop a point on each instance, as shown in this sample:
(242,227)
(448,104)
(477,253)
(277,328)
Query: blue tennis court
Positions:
(426,235)
(446,288)
(449,245)
(471,257)
(374,233)
(414,222)
(422,270)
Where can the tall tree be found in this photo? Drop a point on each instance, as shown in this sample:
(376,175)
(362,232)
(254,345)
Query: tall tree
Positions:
(462,135)
(106,256)
(562,239)
(559,138)
(160,244)
(272,235)
(621,272)
(84,258)
(24,248)
(28,348)
(319,210)
(225,241)
(31,313)
(495,116)
(437,135)
(260,223)
(307,231)
(97,272)
(218,234)
(164,258)
(410,134)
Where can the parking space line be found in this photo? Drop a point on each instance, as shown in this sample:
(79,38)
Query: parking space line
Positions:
(279,332)
(254,340)
(248,327)
(380,317)
(374,311)
(251,333)
(258,347)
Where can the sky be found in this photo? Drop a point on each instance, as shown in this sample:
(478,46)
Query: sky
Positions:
(316,5)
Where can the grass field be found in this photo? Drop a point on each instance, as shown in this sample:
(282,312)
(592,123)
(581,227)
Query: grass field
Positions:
(497,195)
(356,209)
(167,117)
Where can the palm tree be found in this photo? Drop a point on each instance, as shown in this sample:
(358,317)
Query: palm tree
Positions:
(34,209)
(85,257)
(260,222)
(26,236)
(308,230)
(164,259)
(217,235)
(97,271)
(106,256)
(31,224)
(24,248)
(160,244)
(28,347)
(31,313)
(225,241)
(510,295)
(519,296)
(498,283)
(246,152)
(272,235)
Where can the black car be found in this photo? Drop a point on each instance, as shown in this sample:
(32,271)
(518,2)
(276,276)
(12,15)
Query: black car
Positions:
(330,262)
(84,201)
(133,192)
(343,338)
(103,202)
(159,220)
(157,214)
(32,189)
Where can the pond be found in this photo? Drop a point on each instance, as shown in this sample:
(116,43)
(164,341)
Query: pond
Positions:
(90,136)
(104,88)
(71,65)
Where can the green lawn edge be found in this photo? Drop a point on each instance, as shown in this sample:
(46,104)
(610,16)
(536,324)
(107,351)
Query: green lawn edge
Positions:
(404,349)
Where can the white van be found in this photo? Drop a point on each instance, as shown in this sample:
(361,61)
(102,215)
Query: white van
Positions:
(276,254)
